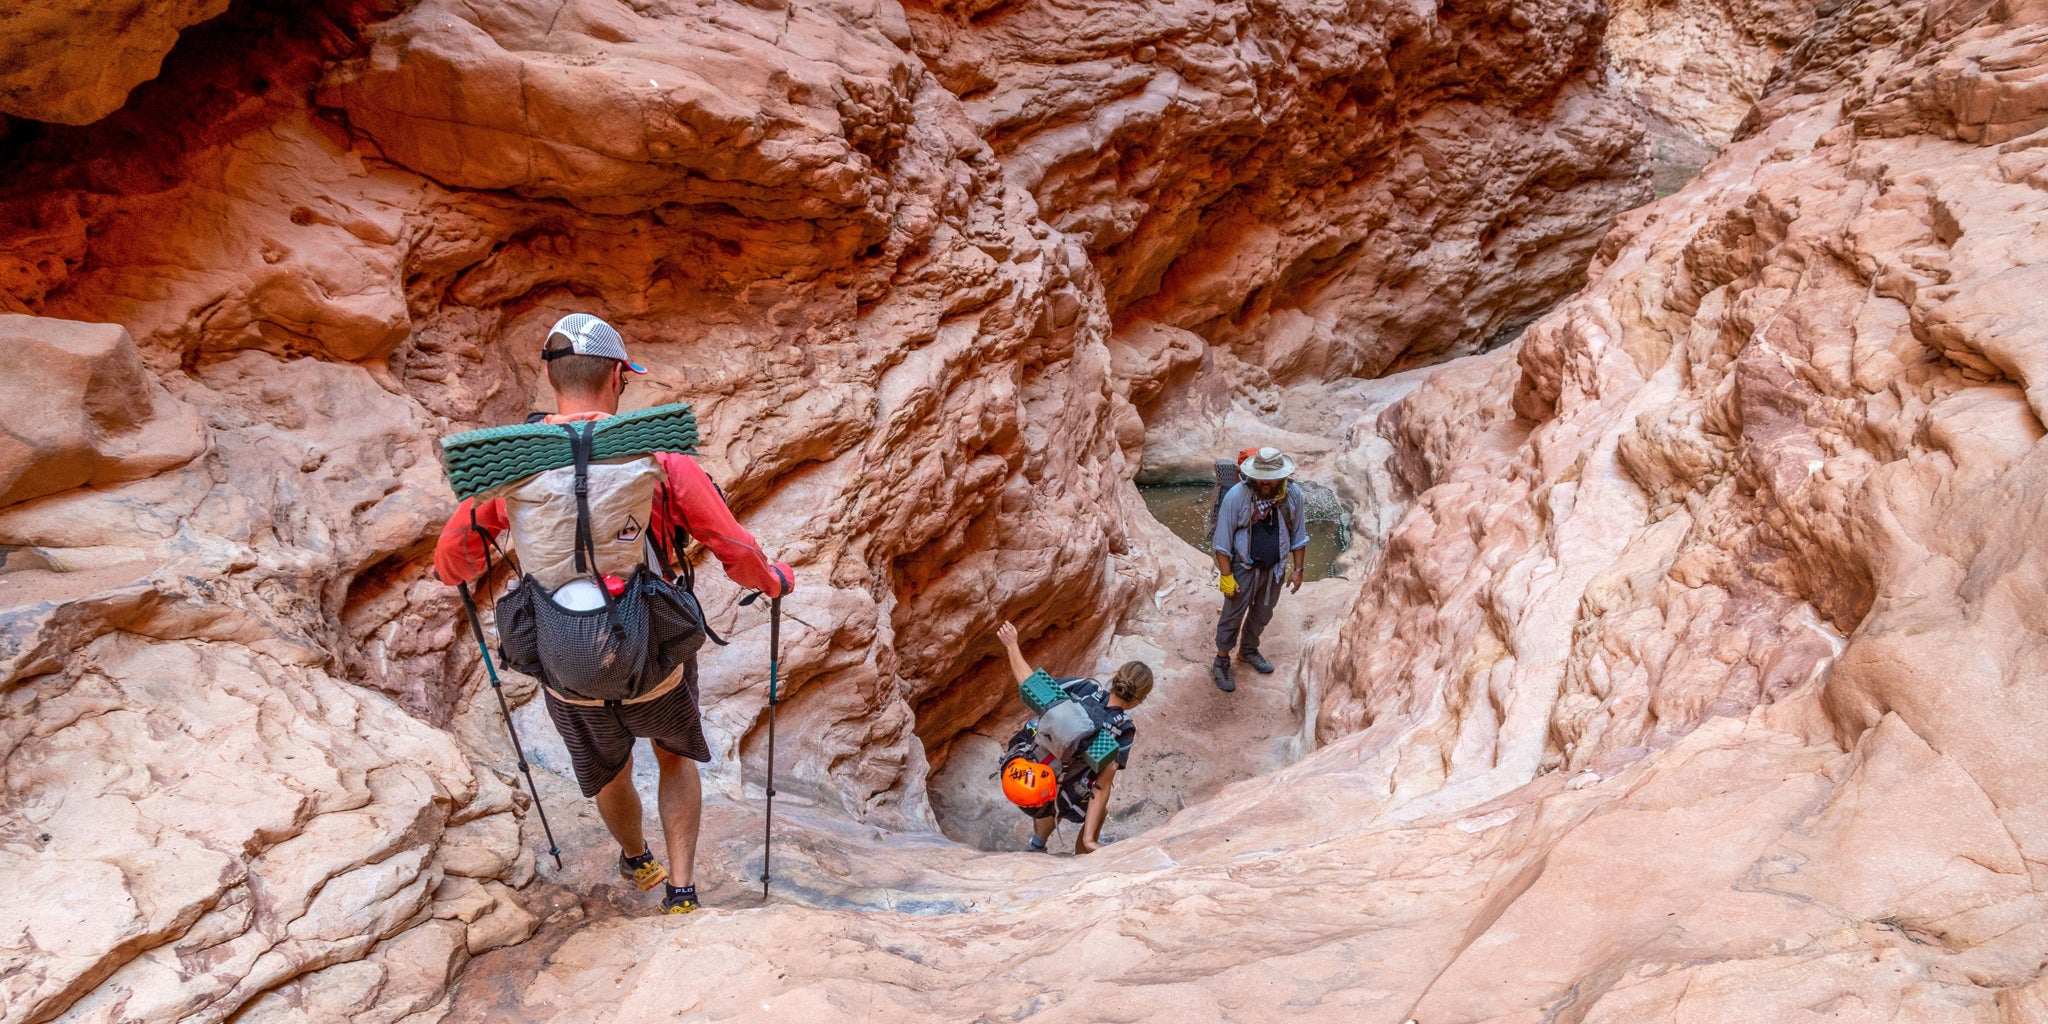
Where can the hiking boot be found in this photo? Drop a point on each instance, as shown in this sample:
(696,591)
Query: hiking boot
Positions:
(643,871)
(1220,673)
(1257,661)
(680,901)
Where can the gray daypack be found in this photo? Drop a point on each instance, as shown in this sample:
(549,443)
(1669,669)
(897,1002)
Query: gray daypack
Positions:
(1072,733)
(1064,732)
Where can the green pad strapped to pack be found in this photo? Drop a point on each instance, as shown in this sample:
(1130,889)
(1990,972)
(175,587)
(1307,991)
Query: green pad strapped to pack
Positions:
(1101,749)
(1040,692)
(478,461)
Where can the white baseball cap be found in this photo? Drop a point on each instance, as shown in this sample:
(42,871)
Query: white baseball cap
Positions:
(588,336)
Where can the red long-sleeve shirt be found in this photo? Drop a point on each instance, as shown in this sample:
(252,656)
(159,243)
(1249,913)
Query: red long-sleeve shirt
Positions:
(460,554)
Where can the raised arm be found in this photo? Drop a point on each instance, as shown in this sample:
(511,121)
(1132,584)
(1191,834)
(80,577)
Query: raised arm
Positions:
(1019,667)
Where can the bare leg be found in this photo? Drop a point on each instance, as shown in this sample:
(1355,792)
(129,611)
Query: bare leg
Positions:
(682,812)
(618,803)
(1042,827)
(1098,810)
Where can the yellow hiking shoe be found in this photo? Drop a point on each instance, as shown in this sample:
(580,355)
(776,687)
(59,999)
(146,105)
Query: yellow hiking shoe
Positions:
(680,901)
(643,871)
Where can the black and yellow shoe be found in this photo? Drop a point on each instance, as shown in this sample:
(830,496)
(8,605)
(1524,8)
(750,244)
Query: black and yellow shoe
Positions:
(680,901)
(643,871)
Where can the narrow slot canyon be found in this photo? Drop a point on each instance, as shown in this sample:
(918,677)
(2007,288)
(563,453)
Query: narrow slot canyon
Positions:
(1658,376)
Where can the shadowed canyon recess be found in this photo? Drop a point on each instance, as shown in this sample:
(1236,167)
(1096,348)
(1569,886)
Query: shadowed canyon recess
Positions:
(1669,364)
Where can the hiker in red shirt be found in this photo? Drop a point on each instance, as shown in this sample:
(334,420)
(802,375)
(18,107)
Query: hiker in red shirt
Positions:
(587,365)
(698,507)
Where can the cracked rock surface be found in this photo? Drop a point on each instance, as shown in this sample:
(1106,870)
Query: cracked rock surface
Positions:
(1692,680)
(1688,670)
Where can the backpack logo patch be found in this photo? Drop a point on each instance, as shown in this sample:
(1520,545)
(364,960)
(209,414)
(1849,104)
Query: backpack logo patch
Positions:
(629,532)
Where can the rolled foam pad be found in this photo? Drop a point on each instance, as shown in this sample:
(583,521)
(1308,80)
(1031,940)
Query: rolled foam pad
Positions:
(477,461)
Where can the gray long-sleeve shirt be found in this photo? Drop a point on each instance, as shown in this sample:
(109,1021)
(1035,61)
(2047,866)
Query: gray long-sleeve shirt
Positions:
(1234,519)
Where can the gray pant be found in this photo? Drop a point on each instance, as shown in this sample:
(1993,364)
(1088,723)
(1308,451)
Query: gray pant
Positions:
(1258,590)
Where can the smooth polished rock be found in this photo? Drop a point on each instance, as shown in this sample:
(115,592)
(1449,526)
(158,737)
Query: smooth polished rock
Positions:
(1688,672)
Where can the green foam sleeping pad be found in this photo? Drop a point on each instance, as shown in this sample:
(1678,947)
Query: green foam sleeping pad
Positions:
(1040,692)
(478,461)
(1101,749)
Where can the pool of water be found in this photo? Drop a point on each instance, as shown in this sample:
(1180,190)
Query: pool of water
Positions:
(1184,508)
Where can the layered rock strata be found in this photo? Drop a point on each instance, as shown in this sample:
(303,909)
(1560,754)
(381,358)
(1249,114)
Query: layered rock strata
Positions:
(334,232)
(1696,682)
(1687,476)
(1317,191)
(1701,65)
(1694,71)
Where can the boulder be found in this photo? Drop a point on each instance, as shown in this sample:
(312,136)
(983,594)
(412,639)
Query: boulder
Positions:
(78,408)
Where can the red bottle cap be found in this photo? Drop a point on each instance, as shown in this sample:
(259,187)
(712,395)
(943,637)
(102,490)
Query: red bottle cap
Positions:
(615,585)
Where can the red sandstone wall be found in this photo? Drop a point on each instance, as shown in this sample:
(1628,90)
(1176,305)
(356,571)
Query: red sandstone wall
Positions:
(894,257)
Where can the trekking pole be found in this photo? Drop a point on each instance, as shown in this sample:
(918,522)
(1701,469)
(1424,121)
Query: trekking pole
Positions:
(774,698)
(476,626)
(774,671)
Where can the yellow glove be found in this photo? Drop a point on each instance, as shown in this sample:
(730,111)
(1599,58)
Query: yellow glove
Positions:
(1228,584)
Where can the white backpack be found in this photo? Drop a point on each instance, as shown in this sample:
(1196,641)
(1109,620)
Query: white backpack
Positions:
(543,512)
(572,526)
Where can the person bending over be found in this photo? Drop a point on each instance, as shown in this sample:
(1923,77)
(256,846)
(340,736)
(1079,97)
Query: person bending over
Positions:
(1083,793)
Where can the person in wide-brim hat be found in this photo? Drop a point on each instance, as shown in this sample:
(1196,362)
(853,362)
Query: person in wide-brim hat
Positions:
(1267,465)
(1260,545)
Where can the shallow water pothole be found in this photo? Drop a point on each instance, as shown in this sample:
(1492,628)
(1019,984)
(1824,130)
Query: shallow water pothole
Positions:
(1185,509)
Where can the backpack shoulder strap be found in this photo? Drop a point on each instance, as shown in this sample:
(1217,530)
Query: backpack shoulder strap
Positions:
(672,554)
(1118,721)
(675,548)
(490,544)
(1104,716)
(586,545)
(1110,724)
(580,439)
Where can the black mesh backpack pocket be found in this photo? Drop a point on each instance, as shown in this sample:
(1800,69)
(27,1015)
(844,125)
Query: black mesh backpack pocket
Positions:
(616,651)
(598,654)
(518,631)
(676,625)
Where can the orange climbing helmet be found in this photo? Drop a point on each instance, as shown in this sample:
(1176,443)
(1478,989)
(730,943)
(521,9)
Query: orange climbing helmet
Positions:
(1028,783)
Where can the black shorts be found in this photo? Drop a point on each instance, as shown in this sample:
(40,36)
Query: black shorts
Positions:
(600,738)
